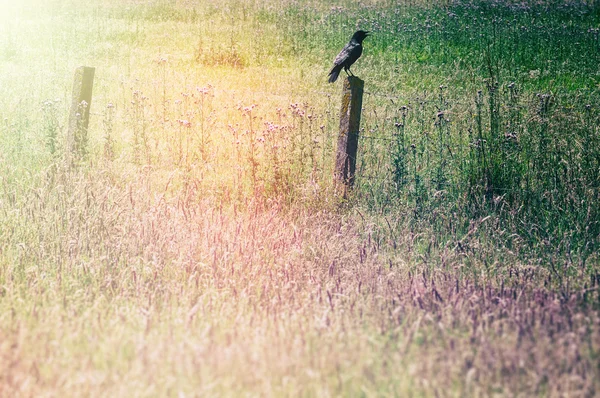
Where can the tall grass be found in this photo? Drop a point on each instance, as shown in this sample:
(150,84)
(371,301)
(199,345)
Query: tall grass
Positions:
(198,247)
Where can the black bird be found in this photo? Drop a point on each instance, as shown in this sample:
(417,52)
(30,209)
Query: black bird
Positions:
(348,55)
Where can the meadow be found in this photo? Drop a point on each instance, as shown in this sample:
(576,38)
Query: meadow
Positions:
(193,243)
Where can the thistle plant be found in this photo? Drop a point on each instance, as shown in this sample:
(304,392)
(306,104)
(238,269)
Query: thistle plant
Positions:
(399,157)
(51,124)
(108,123)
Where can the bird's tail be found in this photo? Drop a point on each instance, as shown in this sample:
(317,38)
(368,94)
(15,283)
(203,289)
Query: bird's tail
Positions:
(335,72)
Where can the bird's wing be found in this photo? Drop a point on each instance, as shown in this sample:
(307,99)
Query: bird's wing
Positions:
(345,54)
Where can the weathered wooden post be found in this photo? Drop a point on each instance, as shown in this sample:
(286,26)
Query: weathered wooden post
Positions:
(79,117)
(345,162)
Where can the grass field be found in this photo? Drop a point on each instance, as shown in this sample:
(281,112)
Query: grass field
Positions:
(193,243)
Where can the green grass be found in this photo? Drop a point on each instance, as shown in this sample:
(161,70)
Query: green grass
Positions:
(197,246)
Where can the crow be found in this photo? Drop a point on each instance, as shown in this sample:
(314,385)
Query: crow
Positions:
(348,55)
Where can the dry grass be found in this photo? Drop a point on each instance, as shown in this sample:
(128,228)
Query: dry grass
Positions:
(117,289)
(198,249)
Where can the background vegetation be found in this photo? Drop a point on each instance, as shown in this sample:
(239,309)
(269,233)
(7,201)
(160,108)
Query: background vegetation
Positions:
(196,246)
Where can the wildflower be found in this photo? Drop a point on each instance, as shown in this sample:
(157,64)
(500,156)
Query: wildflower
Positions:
(510,136)
(184,123)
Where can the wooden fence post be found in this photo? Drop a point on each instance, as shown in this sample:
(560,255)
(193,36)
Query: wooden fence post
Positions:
(345,162)
(79,116)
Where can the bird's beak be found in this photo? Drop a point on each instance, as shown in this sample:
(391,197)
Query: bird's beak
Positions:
(367,33)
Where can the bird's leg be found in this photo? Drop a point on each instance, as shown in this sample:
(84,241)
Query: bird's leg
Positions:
(346,69)
(351,74)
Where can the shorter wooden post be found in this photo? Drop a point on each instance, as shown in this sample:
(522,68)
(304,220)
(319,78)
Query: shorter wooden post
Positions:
(345,162)
(79,117)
